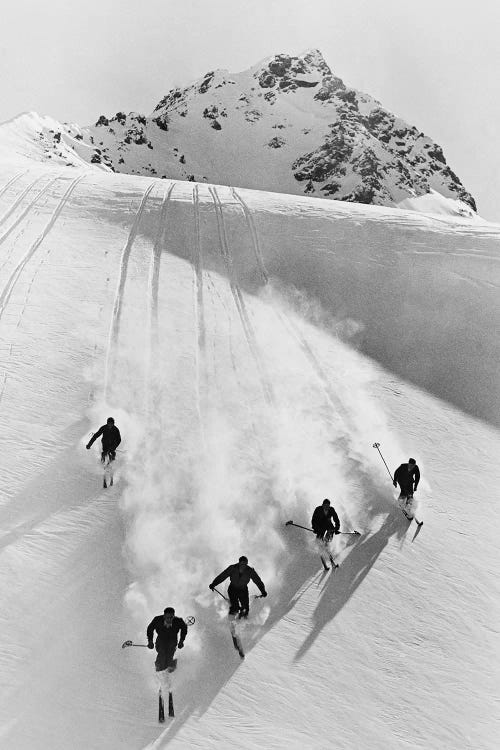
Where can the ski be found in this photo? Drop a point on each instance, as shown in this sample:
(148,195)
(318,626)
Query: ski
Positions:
(407,516)
(411,518)
(171,705)
(332,562)
(237,646)
(236,640)
(161,709)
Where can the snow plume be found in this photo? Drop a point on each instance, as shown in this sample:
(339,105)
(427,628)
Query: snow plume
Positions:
(337,375)
(270,414)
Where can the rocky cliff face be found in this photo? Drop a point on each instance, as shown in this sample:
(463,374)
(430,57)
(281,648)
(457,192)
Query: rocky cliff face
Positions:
(287,125)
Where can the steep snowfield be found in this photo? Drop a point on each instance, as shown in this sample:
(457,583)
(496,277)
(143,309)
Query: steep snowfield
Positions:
(251,346)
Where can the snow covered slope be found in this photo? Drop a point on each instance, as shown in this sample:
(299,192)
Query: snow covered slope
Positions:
(251,347)
(288,124)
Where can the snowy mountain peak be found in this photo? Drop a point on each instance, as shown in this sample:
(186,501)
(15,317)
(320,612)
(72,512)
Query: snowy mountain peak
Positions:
(288,124)
(286,69)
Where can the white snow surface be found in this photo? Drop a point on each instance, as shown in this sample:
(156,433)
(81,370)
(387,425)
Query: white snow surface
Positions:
(251,347)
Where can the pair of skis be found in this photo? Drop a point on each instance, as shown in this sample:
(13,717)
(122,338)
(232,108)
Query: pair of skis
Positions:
(107,478)
(232,626)
(330,557)
(161,706)
(161,702)
(406,512)
(327,554)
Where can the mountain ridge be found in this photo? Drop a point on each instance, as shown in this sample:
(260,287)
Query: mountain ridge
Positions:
(287,124)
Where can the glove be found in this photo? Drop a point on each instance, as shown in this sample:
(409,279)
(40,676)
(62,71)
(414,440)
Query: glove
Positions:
(151,644)
(264,594)
(395,483)
(180,644)
(211,587)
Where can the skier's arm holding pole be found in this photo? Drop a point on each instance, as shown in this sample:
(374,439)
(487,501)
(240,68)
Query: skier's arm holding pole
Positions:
(183,633)
(94,437)
(314,522)
(150,633)
(220,578)
(258,582)
(416,478)
(336,521)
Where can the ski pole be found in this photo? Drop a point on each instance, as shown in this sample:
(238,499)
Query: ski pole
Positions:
(291,523)
(220,594)
(377,446)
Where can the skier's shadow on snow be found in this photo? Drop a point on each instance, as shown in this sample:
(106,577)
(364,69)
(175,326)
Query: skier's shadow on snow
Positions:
(343,582)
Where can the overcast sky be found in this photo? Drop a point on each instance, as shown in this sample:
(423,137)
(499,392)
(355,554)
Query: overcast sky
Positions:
(436,63)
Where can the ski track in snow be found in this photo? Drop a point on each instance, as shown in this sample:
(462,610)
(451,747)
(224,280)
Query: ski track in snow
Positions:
(117,308)
(296,334)
(6,292)
(154,278)
(25,212)
(11,182)
(18,200)
(199,314)
(238,298)
(180,307)
(153,284)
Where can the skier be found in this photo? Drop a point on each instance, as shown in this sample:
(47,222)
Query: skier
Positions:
(322,519)
(111,439)
(167,627)
(240,575)
(408,477)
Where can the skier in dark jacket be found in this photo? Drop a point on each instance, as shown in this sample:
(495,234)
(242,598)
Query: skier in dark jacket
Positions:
(167,627)
(111,439)
(240,575)
(408,477)
(325,521)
